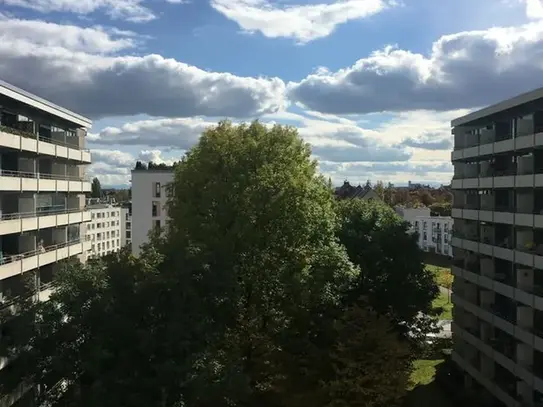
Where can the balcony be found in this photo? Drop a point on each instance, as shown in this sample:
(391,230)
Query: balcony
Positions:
(34,181)
(57,145)
(11,265)
(48,218)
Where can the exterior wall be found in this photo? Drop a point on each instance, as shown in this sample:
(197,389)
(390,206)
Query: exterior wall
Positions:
(126,226)
(410,214)
(104,229)
(42,204)
(145,185)
(435,233)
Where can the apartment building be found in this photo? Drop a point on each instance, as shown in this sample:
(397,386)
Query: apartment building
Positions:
(434,232)
(149,198)
(104,229)
(42,198)
(498,249)
(126,224)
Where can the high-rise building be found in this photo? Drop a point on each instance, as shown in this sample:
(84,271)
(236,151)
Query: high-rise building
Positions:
(149,198)
(42,197)
(104,229)
(498,249)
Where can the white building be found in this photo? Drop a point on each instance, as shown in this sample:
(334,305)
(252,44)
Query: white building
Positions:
(104,229)
(435,234)
(434,231)
(149,197)
(42,201)
(126,224)
(498,249)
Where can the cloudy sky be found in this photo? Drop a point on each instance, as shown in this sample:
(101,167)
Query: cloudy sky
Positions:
(371,84)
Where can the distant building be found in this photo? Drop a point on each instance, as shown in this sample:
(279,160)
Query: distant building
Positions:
(149,198)
(347,191)
(104,229)
(126,224)
(434,231)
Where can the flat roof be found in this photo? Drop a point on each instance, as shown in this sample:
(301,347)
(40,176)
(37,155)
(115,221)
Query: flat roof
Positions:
(28,98)
(499,107)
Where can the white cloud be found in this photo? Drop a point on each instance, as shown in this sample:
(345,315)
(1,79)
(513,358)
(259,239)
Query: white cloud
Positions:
(464,70)
(81,78)
(40,33)
(534,9)
(301,22)
(129,10)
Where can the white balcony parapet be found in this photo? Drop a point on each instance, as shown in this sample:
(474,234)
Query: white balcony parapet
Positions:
(25,221)
(19,263)
(32,181)
(21,140)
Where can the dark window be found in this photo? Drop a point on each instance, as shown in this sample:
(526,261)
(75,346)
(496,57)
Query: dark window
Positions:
(155,209)
(157,224)
(157,190)
(128,234)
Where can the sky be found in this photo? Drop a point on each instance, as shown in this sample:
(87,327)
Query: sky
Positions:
(372,85)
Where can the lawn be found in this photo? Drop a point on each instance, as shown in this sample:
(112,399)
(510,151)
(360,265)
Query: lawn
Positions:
(423,390)
(443,275)
(443,302)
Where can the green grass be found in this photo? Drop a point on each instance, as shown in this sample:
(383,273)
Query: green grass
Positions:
(424,372)
(423,390)
(443,302)
(442,275)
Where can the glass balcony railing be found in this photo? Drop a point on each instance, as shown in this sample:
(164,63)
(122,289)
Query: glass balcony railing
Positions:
(43,211)
(41,175)
(6,259)
(27,134)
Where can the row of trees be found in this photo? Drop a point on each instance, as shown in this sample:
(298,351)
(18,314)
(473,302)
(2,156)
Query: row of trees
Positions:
(263,291)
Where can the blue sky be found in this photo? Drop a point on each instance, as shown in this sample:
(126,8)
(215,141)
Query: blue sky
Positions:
(371,84)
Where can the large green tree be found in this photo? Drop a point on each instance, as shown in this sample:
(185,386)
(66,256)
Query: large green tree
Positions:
(392,274)
(96,188)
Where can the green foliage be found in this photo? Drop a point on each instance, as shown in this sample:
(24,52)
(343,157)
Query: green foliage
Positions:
(392,274)
(441,209)
(96,188)
(247,298)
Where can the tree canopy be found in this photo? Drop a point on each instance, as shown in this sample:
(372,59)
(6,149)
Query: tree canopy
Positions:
(96,188)
(256,294)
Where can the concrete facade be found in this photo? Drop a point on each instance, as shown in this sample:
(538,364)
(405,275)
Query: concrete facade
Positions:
(149,197)
(498,249)
(42,203)
(104,229)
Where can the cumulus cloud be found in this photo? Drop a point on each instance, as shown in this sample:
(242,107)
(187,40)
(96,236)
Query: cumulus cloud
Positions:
(429,141)
(129,10)
(43,34)
(304,23)
(82,78)
(464,70)
(534,9)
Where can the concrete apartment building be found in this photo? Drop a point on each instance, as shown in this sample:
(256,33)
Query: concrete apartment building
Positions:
(104,229)
(498,249)
(126,224)
(42,199)
(434,232)
(149,197)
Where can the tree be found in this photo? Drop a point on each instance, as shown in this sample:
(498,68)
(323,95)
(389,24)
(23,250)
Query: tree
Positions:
(252,228)
(392,274)
(441,209)
(379,189)
(371,364)
(96,188)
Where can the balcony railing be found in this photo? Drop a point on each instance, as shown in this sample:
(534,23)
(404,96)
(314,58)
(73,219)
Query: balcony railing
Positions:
(40,175)
(45,212)
(40,250)
(22,133)
(11,301)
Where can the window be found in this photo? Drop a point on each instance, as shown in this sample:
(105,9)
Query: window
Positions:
(417,224)
(107,235)
(99,225)
(128,234)
(156,208)
(157,224)
(157,190)
(112,213)
(99,236)
(425,236)
(117,224)
(118,233)
(99,246)
(108,245)
(128,225)
(92,216)
(118,243)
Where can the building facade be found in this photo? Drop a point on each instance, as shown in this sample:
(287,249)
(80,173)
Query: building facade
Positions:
(126,225)
(498,255)
(149,198)
(42,197)
(104,229)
